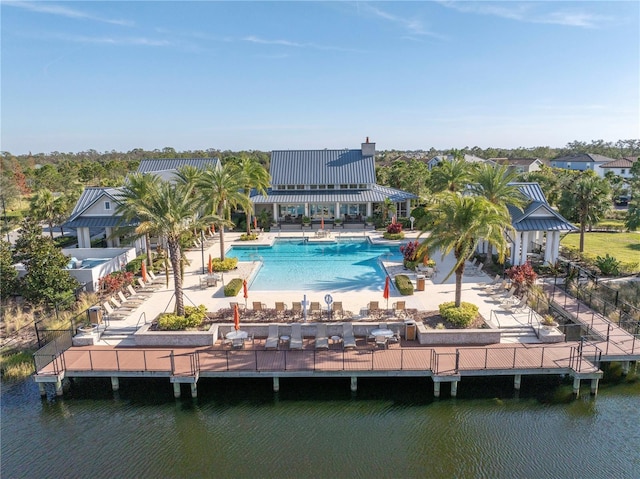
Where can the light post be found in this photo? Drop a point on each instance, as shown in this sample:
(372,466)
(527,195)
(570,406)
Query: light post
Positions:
(202,248)
(412,219)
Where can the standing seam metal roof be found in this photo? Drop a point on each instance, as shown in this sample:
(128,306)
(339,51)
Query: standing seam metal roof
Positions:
(162,164)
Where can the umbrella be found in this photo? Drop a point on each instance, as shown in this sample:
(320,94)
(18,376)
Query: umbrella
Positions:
(385,294)
(213,229)
(322,223)
(245,291)
(255,223)
(393,220)
(144,272)
(210,266)
(236,317)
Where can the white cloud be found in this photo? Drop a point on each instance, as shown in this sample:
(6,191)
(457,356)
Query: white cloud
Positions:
(64,11)
(532,12)
(288,43)
(411,25)
(141,41)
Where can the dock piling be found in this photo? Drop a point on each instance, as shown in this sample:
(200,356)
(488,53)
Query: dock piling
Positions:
(176,390)
(115,383)
(276,384)
(436,389)
(354,384)
(454,388)
(594,386)
(576,386)
(517,380)
(194,390)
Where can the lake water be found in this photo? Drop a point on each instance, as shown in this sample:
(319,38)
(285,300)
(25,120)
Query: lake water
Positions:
(294,265)
(317,428)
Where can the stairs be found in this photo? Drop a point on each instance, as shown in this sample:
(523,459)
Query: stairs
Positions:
(123,335)
(520,334)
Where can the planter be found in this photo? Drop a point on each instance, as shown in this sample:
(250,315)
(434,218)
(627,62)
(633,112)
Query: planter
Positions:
(87,335)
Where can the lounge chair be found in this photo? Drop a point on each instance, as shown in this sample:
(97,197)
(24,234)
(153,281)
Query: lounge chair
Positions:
(134,302)
(399,308)
(272,338)
(155,279)
(373,309)
(348,339)
(315,310)
(512,307)
(281,308)
(491,283)
(120,307)
(147,286)
(233,304)
(296,336)
(111,314)
(336,308)
(296,309)
(137,294)
(322,340)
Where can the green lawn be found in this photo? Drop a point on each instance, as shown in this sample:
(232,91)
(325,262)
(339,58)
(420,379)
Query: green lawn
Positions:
(625,247)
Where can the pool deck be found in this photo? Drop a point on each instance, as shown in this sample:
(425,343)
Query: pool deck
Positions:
(117,356)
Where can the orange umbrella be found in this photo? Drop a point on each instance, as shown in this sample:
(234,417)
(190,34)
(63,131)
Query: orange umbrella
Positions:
(236,317)
(255,223)
(213,229)
(245,291)
(322,223)
(144,272)
(385,294)
(210,266)
(393,220)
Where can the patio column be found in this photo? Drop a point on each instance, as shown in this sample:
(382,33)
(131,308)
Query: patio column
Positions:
(525,247)
(337,211)
(108,230)
(369,209)
(515,254)
(555,235)
(276,384)
(194,390)
(306,209)
(275,212)
(84,237)
(547,249)
(408,202)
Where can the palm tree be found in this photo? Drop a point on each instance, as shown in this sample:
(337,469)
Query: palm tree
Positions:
(43,207)
(166,210)
(254,176)
(494,183)
(458,223)
(222,189)
(586,201)
(451,175)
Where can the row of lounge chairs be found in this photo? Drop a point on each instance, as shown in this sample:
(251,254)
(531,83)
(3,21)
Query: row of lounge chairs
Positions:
(321,340)
(315,311)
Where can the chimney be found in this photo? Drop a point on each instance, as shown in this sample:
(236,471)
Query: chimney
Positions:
(368,149)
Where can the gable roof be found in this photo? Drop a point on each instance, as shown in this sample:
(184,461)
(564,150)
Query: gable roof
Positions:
(90,196)
(516,161)
(157,165)
(531,219)
(585,157)
(621,163)
(321,167)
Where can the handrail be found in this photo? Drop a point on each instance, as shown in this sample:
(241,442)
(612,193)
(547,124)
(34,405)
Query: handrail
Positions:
(143,315)
(492,314)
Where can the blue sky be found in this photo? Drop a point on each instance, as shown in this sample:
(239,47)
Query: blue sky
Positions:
(295,75)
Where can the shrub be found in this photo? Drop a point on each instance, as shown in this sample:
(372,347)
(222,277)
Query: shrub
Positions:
(609,266)
(193,318)
(462,316)
(409,251)
(227,265)
(523,276)
(248,237)
(404,284)
(135,265)
(114,282)
(233,287)
(393,236)
(394,228)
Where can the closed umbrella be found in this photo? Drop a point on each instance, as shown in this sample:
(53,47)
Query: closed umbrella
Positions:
(144,272)
(255,223)
(210,265)
(213,229)
(245,291)
(322,223)
(236,317)
(385,294)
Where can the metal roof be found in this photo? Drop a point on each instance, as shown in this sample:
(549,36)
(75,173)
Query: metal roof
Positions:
(582,157)
(89,196)
(531,190)
(162,164)
(321,167)
(376,194)
(544,224)
(96,222)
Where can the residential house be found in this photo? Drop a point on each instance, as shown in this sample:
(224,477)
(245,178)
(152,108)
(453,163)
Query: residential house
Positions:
(582,162)
(520,165)
(436,160)
(621,167)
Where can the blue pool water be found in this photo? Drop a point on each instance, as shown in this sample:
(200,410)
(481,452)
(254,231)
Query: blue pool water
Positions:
(346,265)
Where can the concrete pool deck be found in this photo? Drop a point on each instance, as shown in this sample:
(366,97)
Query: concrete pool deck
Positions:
(437,290)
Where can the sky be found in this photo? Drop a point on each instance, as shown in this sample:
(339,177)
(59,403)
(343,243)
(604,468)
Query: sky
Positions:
(309,75)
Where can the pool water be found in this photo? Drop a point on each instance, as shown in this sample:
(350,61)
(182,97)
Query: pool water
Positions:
(346,265)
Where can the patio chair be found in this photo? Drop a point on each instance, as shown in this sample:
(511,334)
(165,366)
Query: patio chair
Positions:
(513,307)
(233,304)
(147,286)
(399,308)
(258,306)
(505,296)
(119,306)
(491,283)
(155,279)
(272,337)
(296,336)
(237,343)
(336,308)
(348,339)
(129,301)
(322,340)
(137,294)
(315,309)
(381,342)
(296,309)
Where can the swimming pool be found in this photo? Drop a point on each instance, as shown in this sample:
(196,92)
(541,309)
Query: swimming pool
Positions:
(294,265)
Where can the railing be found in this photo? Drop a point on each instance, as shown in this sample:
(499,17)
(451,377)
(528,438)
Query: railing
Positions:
(52,352)
(143,315)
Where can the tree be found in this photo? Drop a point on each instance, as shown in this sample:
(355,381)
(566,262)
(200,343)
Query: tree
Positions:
(632,221)
(44,206)
(254,176)
(8,274)
(585,200)
(494,183)
(453,175)
(458,224)
(166,209)
(47,279)
(222,189)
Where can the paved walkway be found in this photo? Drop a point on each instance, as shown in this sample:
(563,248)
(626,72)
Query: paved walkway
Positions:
(438,289)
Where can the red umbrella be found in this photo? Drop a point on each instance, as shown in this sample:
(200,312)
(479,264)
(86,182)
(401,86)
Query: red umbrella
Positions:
(245,291)
(393,220)
(144,272)
(213,229)
(210,266)
(385,294)
(322,223)
(236,317)
(255,223)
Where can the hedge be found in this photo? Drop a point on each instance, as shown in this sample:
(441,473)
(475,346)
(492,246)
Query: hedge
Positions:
(233,287)
(404,285)
(227,265)
(135,265)
(194,316)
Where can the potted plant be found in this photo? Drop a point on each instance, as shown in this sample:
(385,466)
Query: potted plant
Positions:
(548,322)
(337,221)
(369,220)
(306,221)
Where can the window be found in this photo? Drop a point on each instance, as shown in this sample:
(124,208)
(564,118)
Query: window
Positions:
(623,171)
(330,187)
(282,187)
(353,187)
(107,205)
(362,186)
(344,187)
(313,187)
(300,187)
(291,187)
(568,165)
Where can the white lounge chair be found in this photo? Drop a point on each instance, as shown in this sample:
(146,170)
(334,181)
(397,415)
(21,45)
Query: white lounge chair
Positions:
(111,314)
(272,339)
(134,302)
(296,336)
(348,339)
(322,340)
(120,307)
